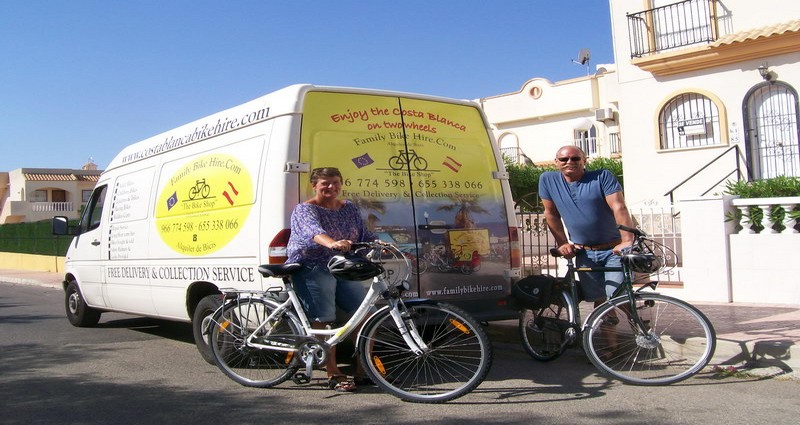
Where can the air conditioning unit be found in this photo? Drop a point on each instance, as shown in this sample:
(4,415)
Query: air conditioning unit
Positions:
(604,114)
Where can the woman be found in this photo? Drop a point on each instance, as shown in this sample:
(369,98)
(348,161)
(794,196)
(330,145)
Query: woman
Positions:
(322,227)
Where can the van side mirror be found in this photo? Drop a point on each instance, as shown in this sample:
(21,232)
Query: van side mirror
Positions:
(61,226)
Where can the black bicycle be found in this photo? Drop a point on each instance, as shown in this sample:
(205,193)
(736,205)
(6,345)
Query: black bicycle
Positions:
(639,337)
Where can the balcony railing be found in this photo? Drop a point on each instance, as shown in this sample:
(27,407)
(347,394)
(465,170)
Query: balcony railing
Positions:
(767,220)
(51,206)
(672,26)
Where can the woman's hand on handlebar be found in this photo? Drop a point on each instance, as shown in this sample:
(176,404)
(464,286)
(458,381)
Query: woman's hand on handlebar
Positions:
(341,245)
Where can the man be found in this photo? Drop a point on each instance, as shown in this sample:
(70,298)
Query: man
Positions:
(591,205)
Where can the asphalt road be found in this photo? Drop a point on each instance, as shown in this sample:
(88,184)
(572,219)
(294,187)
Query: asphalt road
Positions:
(132,370)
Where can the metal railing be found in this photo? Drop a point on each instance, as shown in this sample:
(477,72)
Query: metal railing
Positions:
(677,25)
(737,170)
(659,222)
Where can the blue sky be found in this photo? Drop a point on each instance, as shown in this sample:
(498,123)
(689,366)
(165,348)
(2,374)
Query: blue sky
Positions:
(84,78)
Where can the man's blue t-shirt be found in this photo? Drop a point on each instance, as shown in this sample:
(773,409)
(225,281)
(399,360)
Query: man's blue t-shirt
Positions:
(582,204)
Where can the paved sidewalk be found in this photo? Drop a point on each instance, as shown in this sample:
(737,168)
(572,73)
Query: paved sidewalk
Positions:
(752,336)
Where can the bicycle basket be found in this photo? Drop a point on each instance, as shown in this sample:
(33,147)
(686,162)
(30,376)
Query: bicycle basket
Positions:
(353,267)
(534,292)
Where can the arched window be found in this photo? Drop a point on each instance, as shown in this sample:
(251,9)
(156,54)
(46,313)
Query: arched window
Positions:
(771,131)
(689,120)
(509,146)
(584,136)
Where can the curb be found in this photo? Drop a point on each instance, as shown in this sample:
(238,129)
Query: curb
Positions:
(28,281)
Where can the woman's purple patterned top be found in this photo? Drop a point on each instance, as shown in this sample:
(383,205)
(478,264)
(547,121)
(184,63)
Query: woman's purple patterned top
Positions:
(310,220)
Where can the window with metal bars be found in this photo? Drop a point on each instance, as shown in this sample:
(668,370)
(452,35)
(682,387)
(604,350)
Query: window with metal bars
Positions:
(689,120)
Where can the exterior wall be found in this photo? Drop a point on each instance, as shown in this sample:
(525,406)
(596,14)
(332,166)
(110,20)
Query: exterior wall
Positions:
(43,263)
(542,116)
(764,268)
(654,172)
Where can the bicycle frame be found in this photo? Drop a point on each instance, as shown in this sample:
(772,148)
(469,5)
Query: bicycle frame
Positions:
(625,289)
(336,335)
(333,336)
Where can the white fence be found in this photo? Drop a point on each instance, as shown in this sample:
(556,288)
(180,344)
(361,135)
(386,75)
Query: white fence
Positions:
(726,260)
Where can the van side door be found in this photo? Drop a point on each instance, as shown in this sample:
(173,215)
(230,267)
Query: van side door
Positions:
(86,252)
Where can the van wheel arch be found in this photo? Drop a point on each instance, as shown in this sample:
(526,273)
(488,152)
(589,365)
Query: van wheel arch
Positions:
(202,299)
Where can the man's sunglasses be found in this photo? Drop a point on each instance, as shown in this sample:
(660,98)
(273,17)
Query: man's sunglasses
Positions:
(567,158)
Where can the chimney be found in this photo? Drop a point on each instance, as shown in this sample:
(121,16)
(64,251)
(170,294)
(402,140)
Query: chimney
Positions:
(90,165)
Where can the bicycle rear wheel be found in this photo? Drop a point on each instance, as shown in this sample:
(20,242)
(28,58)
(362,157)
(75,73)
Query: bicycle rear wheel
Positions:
(678,343)
(544,331)
(458,358)
(253,367)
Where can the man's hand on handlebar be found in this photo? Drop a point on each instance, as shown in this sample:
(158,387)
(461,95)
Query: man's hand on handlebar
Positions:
(566,250)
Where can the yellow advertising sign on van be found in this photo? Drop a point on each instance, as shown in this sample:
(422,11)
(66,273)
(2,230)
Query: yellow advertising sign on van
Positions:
(421,168)
(204,204)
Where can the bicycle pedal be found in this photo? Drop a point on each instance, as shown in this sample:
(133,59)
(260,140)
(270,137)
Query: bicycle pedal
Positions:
(301,378)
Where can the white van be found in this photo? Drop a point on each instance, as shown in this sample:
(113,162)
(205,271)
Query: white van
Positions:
(177,216)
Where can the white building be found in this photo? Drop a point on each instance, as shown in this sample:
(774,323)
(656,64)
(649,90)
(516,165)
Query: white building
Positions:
(701,92)
(686,87)
(690,88)
(33,194)
(543,116)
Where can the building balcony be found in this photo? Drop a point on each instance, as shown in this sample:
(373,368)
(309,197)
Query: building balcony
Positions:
(24,211)
(685,36)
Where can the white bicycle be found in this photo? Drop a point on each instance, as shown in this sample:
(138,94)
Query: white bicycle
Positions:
(418,350)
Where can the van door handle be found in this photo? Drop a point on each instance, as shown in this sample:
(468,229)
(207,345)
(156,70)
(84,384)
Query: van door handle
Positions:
(95,242)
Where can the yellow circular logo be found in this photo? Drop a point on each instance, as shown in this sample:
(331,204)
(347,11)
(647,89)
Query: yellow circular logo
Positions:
(203,205)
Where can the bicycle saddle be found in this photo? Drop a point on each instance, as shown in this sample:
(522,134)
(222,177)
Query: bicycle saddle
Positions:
(278,270)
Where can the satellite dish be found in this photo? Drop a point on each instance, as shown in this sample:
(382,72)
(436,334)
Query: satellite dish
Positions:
(583,57)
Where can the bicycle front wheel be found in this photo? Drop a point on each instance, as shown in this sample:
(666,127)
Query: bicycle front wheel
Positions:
(677,342)
(544,332)
(250,366)
(457,359)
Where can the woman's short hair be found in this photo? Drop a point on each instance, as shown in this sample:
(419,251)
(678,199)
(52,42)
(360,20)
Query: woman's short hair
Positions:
(324,173)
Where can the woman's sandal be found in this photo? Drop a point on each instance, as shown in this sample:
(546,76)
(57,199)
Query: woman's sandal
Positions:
(341,383)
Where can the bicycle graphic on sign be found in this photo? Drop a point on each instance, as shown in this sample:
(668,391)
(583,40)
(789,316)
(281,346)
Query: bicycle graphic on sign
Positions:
(410,157)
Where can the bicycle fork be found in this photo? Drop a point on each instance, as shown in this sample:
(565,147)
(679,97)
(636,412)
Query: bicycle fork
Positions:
(406,328)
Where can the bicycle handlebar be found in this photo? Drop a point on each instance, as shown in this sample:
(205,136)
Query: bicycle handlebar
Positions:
(636,232)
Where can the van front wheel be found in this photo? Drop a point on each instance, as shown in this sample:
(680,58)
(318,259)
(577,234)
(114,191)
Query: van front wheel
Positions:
(78,313)
(205,308)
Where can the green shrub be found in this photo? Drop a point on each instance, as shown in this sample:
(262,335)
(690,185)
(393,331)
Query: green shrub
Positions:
(32,238)
(524,180)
